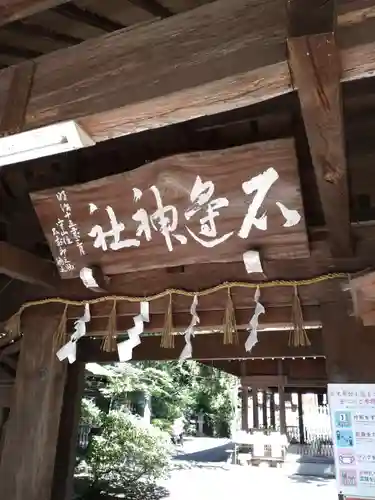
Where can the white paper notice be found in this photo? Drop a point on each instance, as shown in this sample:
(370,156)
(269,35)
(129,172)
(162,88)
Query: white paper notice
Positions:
(125,349)
(69,350)
(352,408)
(252,262)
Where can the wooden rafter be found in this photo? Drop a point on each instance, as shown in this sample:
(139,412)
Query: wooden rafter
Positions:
(154,7)
(24,266)
(316,70)
(203,62)
(14,10)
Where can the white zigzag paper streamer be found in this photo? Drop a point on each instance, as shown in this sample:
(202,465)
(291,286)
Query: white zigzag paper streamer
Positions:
(69,350)
(125,349)
(252,339)
(187,351)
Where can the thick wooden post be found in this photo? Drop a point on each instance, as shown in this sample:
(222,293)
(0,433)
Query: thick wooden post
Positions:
(349,346)
(27,462)
(68,433)
(282,414)
(245,408)
(272,410)
(300,419)
(264,410)
(254,394)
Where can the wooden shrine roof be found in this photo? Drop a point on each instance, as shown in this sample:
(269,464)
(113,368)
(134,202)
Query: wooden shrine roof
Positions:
(29,29)
(171,90)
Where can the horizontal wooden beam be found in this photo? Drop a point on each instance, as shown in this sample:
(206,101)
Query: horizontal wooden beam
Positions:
(24,266)
(272,344)
(14,10)
(201,62)
(275,317)
(306,370)
(263,381)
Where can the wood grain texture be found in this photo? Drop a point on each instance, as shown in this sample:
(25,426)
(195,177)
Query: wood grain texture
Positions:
(189,65)
(175,177)
(348,345)
(173,70)
(14,97)
(14,10)
(27,459)
(24,266)
(66,451)
(6,394)
(272,344)
(305,371)
(315,63)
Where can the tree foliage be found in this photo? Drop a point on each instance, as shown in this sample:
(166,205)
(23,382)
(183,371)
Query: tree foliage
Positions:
(177,388)
(127,457)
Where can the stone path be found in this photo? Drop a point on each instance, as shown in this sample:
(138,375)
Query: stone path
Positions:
(201,473)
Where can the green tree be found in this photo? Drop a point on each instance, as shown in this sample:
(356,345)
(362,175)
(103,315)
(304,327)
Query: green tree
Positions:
(177,388)
(126,458)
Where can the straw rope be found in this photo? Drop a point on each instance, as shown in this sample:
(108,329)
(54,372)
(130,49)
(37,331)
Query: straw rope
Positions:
(187,293)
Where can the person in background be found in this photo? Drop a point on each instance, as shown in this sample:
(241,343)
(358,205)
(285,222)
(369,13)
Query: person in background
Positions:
(178,430)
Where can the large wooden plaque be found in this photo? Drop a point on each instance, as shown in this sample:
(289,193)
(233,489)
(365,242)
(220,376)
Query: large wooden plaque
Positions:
(198,207)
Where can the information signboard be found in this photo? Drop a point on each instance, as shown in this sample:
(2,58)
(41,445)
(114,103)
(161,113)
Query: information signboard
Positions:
(352,408)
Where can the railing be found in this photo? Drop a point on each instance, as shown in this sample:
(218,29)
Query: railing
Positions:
(317,438)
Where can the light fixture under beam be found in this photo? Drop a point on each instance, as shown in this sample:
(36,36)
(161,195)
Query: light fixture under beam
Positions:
(44,141)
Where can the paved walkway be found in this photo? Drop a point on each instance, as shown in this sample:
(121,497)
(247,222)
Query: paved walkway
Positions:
(201,472)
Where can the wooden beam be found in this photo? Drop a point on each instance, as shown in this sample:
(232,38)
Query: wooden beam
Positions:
(263,381)
(24,266)
(72,11)
(275,317)
(14,10)
(153,7)
(13,101)
(200,62)
(348,345)
(306,370)
(26,471)
(272,344)
(316,69)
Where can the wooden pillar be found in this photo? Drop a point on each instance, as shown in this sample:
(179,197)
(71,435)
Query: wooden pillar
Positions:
(27,463)
(272,410)
(349,346)
(245,408)
(281,389)
(300,419)
(254,394)
(264,410)
(282,412)
(4,414)
(62,488)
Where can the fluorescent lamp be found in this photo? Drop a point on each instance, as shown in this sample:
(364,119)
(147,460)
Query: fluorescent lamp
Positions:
(45,141)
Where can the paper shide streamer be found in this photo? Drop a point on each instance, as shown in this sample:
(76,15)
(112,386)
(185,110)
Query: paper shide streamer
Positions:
(187,351)
(125,348)
(69,350)
(252,339)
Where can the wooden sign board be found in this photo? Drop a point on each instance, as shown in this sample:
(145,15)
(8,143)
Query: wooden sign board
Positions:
(197,207)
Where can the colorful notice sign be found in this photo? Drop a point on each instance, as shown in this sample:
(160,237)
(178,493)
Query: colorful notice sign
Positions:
(352,408)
